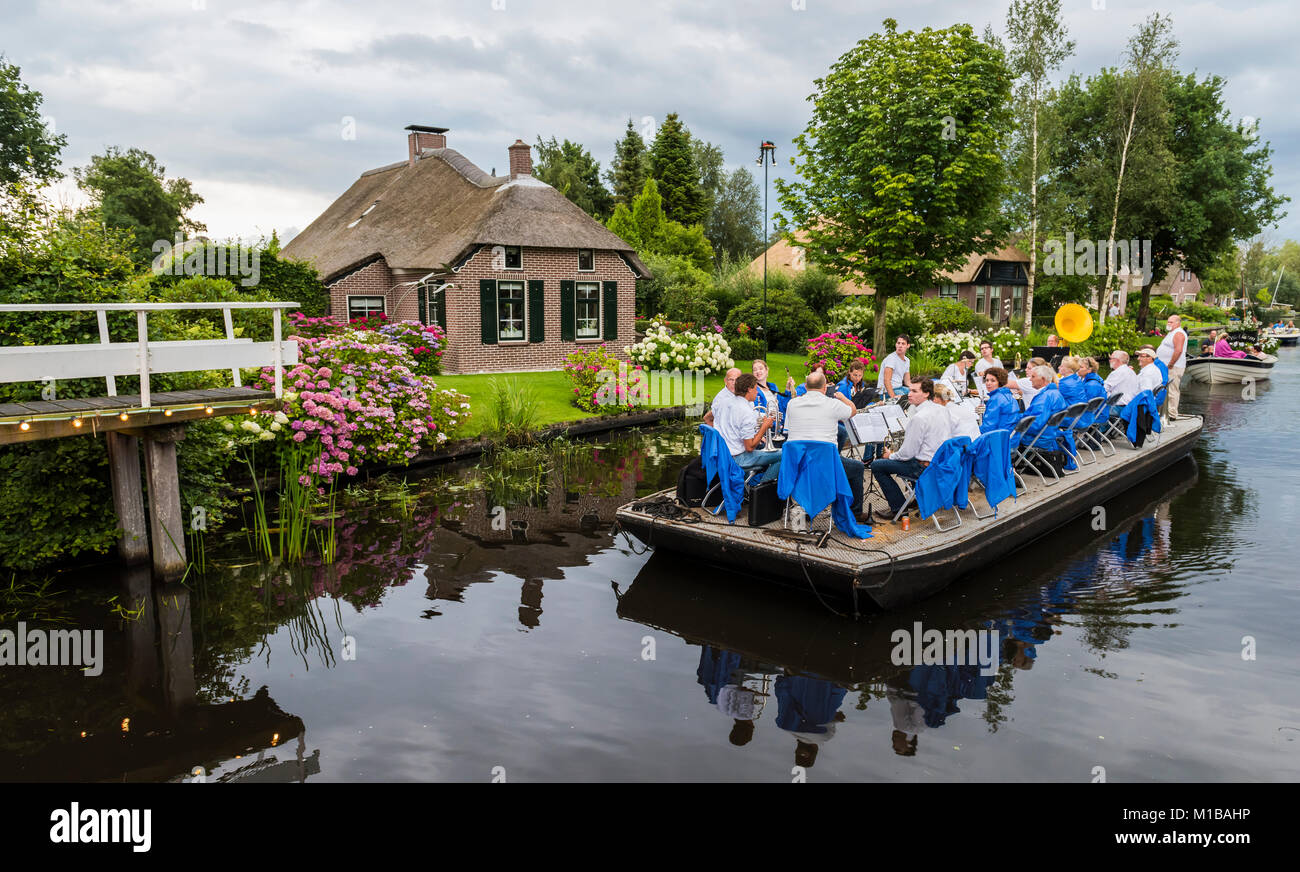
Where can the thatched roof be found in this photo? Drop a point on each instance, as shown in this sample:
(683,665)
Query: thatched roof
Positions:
(436,211)
(782,257)
(975,262)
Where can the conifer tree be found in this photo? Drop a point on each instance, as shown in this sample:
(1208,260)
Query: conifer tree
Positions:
(628,170)
(672,165)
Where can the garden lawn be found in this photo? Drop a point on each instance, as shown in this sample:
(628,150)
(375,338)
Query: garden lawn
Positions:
(554,393)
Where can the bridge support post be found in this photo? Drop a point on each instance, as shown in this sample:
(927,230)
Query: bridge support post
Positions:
(128,499)
(166,526)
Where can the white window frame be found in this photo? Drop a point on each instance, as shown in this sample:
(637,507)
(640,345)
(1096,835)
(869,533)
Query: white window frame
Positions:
(577,319)
(948,292)
(383,304)
(981,302)
(592,252)
(506,257)
(523,297)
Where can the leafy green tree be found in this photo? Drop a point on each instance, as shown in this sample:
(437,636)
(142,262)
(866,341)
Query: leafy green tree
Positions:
(1037,34)
(27,148)
(819,290)
(790,322)
(648,216)
(629,168)
(735,221)
(672,165)
(571,170)
(900,171)
(1149,52)
(646,229)
(1222,278)
(129,191)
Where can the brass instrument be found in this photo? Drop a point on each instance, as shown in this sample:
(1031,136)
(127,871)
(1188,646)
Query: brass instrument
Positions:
(1073,323)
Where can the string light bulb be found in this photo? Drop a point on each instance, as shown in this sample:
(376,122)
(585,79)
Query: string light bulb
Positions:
(208,410)
(167,413)
(123,416)
(25,426)
(76,422)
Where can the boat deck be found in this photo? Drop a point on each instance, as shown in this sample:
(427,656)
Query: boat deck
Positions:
(928,556)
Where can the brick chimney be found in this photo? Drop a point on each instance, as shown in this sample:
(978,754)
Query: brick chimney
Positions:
(521,159)
(422,137)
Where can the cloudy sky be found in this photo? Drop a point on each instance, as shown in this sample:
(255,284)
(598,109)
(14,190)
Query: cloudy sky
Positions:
(273,108)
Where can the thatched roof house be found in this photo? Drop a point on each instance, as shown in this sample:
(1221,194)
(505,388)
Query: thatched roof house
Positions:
(517,274)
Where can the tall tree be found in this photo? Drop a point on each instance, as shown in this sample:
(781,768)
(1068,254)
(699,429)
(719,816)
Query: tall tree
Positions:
(571,170)
(1222,191)
(735,222)
(629,168)
(672,164)
(28,150)
(129,191)
(1149,52)
(900,174)
(1038,46)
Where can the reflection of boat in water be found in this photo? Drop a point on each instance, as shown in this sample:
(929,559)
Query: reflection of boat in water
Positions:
(894,567)
(1228,370)
(753,638)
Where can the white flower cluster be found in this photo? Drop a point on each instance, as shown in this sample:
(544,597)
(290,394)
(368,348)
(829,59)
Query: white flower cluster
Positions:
(663,349)
(949,346)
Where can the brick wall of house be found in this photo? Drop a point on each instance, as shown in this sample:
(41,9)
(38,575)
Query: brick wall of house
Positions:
(372,280)
(467,353)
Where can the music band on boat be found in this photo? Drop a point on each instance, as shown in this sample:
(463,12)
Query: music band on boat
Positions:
(972,398)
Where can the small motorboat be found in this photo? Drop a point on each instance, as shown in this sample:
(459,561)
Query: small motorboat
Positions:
(1228,370)
(1287,336)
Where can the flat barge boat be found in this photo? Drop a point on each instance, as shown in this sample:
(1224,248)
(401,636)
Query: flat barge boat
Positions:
(895,567)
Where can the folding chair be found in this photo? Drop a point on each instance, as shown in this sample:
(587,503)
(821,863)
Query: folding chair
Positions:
(1073,413)
(958,445)
(974,508)
(1115,425)
(1027,454)
(704,503)
(1101,424)
(1017,434)
(1083,436)
(1161,394)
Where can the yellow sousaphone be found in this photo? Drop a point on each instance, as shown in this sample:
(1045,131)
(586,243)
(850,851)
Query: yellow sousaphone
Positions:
(1073,323)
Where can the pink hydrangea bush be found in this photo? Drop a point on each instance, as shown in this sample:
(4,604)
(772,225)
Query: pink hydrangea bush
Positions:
(606,394)
(836,351)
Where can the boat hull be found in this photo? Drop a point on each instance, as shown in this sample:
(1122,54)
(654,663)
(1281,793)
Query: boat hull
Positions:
(907,579)
(1227,370)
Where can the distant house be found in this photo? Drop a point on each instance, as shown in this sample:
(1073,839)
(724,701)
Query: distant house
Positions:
(791,259)
(988,284)
(517,274)
(1179,284)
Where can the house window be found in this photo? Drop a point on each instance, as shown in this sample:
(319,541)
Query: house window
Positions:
(995,302)
(510,311)
(588,310)
(948,292)
(1017,301)
(364,307)
(979,299)
(586,260)
(514,257)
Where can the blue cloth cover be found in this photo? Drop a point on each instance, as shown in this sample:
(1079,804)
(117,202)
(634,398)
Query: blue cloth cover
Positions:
(805,704)
(1129,414)
(717,462)
(715,670)
(1164,380)
(1072,389)
(1044,405)
(813,472)
(989,460)
(1001,412)
(942,484)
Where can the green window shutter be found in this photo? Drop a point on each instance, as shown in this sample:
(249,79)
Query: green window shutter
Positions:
(487,294)
(422,303)
(438,308)
(536,311)
(611,309)
(568,311)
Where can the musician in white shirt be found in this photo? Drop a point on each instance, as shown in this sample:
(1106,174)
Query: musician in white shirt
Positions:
(815,416)
(1122,380)
(894,369)
(724,396)
(927,429)
(962,415)
(956,375)
(986,361)
(1149,377)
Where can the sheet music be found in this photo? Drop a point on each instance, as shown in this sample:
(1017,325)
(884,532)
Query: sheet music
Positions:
(869,428)
(891,414)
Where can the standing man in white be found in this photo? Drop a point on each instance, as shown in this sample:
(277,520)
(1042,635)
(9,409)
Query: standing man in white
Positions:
(1173,354)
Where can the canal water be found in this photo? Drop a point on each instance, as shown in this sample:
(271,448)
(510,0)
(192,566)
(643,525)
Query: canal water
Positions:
(487,624)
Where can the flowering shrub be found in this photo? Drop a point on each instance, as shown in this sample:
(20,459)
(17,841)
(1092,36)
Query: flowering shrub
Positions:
(1008,345)
(836,351)
(353,398)
(426,342)
(949,346)
(663,349)
(591,391)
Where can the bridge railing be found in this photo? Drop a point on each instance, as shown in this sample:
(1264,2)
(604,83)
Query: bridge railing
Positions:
(109,359)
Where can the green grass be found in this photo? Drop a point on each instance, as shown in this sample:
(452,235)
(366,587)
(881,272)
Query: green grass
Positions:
(553,392)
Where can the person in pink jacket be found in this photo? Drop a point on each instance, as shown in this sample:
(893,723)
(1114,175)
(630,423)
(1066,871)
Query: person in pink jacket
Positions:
(1222,349)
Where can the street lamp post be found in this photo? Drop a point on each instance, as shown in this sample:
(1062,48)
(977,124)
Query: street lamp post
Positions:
(766,149)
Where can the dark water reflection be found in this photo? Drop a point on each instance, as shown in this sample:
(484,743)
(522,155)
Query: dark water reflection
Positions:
(455,640)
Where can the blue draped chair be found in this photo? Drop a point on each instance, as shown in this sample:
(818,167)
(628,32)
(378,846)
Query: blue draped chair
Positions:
(813,475)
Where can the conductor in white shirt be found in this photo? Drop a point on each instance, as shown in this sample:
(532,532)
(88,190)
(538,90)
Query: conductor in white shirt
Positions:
(928,428)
